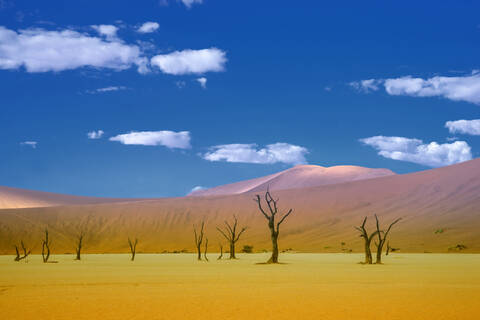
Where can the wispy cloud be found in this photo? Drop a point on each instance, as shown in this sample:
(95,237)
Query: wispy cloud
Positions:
(471,127)
(249,153)
(39,50)
(197,188)
(190,3)
(432,154)
(148,27)
(107,89)
(95,134)
(32,144)
(107,30)
(191,61)
(460,88)
(203,82)
(169,139)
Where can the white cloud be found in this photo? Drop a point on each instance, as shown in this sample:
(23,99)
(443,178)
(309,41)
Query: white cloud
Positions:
(39,50)
(189,3)
(197,188)
(148,27)
(462,88)
(32,144)
(191,61)
(109,31)
(95,134)
(107,89)
(414,150)
(248,153)
(203,82)
(464,127)
(169,139)
(366,85)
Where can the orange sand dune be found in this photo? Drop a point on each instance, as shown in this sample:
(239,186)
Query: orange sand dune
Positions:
(440,209)
(20,198)
(301,176)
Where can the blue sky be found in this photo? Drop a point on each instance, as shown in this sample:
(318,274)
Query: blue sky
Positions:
(211,92)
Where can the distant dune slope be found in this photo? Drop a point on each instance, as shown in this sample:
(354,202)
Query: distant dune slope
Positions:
(21,198)
(301,176)
(440,209)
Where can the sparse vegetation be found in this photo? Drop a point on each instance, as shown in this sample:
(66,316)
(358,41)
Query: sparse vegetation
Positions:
(247,249)
(458,247)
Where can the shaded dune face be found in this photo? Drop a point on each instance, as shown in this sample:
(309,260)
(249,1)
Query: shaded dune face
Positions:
(446,199)
(302,176)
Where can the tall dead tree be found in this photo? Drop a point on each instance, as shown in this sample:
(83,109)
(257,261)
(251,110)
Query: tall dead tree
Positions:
(133,247)
(221,252)
(382,237)
(25,252)
(46,247)
(206,247)
(272,224)
(367,239)
(231,235)
(78,249)
(199,240)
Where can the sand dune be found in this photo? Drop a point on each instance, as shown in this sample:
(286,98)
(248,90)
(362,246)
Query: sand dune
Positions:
(301,176)
(446,200)
(20,198)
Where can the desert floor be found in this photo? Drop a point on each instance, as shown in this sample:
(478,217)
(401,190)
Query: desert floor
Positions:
(176,286)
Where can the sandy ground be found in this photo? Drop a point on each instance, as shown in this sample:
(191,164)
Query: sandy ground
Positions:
(307,286)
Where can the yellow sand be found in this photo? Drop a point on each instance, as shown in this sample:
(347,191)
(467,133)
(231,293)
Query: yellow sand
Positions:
(175,286)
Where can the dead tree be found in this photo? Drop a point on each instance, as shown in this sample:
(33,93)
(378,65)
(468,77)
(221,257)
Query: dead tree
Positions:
(199,240)
(388,248)
(272,224)
(382,237)
(221,252)
(367,239)
(206,247)
(25,253)
(46,247)
(79,245)
(231,235)
(133,247)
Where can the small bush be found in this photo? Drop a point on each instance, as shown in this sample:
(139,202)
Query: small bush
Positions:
(247,249)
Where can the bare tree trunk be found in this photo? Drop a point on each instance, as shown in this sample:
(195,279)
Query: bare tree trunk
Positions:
(25,253)
(46,248)
(79,246)
(388,248)
(199,240)
(221,252)
(274,228)
(274,257)
(367,239)
(382,237)
(231,235)
(133,248)
(206,247)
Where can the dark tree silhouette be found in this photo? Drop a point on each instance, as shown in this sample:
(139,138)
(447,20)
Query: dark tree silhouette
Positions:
(25,252)
(221,252)
(133,247)
(272,224)
(46,247)
(206,247)
(78,249)
(199,240)
(388,248)
(382,237)
(231,235)
(368,239)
